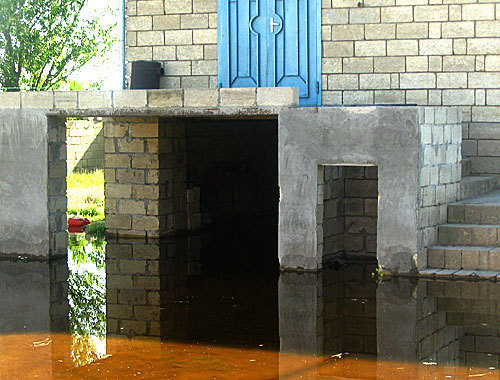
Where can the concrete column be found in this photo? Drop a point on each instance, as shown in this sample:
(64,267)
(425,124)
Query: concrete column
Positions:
(57,199)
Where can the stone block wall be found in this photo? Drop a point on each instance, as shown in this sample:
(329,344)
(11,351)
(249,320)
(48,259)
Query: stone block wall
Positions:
(145,176)
(436,53)
(85,145)
(182,34)
(440,171)
(57,199)
(347,210)
(479,347)
(133,288)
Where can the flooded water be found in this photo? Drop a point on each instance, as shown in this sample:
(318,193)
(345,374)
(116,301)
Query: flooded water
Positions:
(215,306)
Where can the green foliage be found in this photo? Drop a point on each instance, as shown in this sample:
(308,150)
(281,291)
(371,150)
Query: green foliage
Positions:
(42,42)
(84,251)
(96,229)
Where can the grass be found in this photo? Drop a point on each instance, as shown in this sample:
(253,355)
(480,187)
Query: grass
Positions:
(85,192)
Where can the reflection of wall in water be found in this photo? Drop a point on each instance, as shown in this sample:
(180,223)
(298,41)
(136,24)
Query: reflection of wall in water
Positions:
(349,211)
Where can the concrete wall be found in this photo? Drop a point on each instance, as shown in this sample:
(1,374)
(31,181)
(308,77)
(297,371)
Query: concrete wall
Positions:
(310,138)
(85,145)
(24,227)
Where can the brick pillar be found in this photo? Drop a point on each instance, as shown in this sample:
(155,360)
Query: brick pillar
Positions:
(57,201)
(145,175)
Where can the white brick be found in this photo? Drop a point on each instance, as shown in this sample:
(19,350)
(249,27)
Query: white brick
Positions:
(178,6)
(10,100)
(492,63)
(375,81)
(452,80)
(139,23)
(402,47)
(358,97)
(166,22)
(331,65)
(205,36)
(478,12)
(347,32)
(334,16)
(420,80)
(364,15)
(343,82)
(380,31)
(458,97)
(483,46)
(484,80)
(204,6)
(189,52)
(94,99)
(458,29)
(369,48)
(149,7)
(431,13)
(357,65)
(413,30)
(389,64)
(150,38)
(164,53)
(178,37)
(204,68)
(338,49)
(417,64)
(396,14)
(458,63)
(436,47)
(194,21)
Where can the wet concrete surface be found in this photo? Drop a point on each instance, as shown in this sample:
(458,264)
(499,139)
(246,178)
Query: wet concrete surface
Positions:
(216,306)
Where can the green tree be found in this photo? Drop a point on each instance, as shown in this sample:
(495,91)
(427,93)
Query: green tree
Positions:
(42,42)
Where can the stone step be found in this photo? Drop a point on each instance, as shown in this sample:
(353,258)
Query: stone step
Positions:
(466,167)
(464,257)
(473,306)
(484,235)
(484,209)
(473,186)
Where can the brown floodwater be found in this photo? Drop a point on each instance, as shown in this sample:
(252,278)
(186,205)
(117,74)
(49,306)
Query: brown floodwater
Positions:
(215,306)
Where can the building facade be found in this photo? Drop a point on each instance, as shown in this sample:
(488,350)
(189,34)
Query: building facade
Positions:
(423,52)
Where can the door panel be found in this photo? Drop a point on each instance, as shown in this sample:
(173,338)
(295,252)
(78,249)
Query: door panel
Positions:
(270,43)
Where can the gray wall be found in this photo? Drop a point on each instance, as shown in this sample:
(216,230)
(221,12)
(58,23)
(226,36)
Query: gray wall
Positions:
(23,183)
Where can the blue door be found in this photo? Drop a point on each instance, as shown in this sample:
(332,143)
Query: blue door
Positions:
(271,43)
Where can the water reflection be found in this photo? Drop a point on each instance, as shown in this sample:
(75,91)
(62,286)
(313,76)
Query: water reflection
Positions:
(197,308)
(87,298)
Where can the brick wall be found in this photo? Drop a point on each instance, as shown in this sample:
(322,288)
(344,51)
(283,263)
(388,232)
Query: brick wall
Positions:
(180,33)
(85,145)
(425,52)
(145,176)
(419,52)
(348,212)
(440,171)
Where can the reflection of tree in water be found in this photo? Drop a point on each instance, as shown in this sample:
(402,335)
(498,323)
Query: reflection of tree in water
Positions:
(87,298)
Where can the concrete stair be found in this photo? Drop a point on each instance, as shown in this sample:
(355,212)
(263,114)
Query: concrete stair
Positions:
(470,240)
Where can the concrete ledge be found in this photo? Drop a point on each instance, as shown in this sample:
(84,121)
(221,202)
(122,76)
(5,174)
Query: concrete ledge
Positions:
(188,102)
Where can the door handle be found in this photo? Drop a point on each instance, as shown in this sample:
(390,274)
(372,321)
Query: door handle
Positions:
(273,24)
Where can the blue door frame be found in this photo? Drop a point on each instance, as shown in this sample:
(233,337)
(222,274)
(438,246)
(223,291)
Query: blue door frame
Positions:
(271,43)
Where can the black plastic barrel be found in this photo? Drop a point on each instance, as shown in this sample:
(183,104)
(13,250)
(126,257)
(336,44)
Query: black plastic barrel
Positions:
(145,75)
